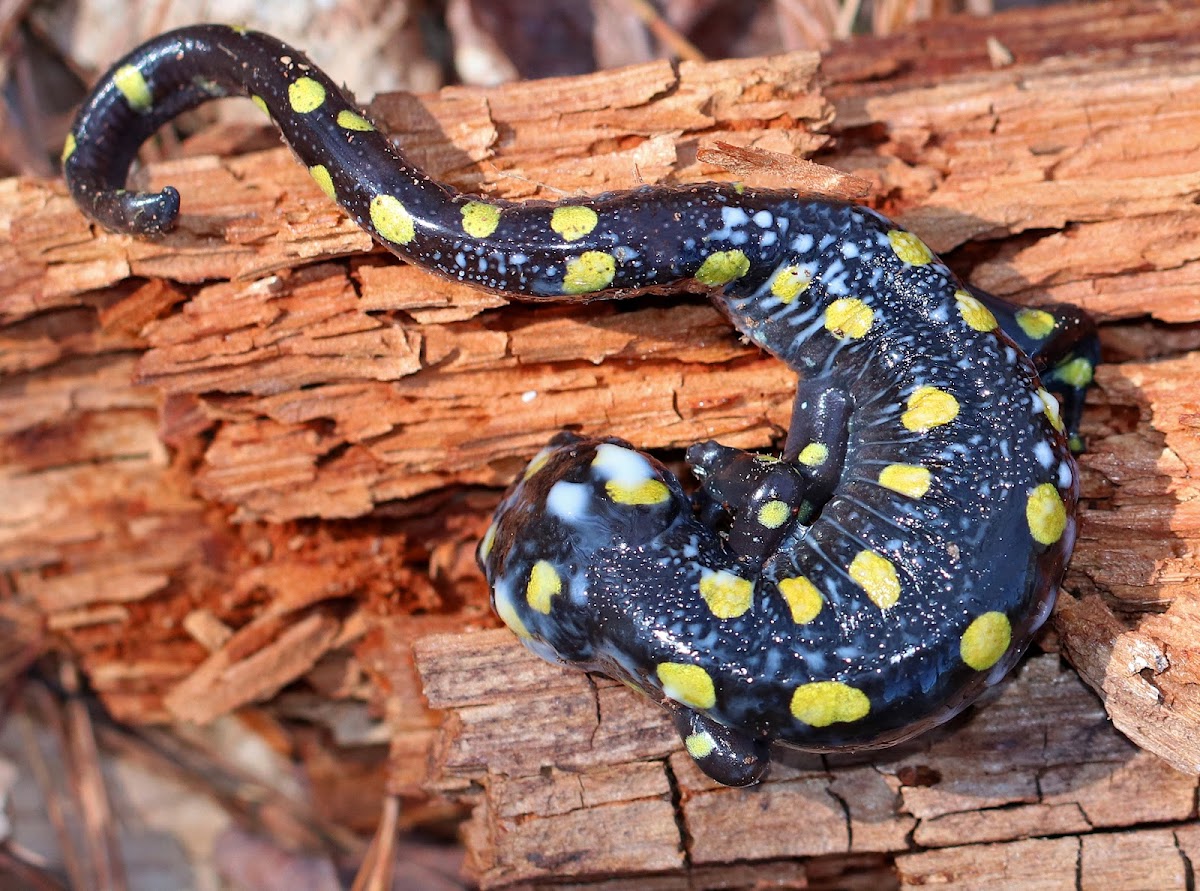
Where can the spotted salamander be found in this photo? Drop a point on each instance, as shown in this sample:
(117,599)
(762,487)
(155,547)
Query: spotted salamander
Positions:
(863,585)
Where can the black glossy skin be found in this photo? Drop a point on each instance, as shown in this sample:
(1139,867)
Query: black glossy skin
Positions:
(865,587)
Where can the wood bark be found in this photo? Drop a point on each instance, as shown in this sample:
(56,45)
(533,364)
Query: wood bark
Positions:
(255,454)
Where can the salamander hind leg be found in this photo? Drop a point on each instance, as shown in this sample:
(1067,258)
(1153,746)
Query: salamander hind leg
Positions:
(729,757)
(1062,342)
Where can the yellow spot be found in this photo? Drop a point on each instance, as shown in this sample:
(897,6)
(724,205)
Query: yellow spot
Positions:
(590,271)
(986,640)
(544,583)
(740,188)
(803,599)
(727,595)
(261,104)
(814,454)
(644,492)
(722,267)
(822,703)
(536,463)
(391,219)
(773,514)
(1050,407)
(849,317)
(877,576)
(305,95)
(929,407)
(1046,514)
(508,615)
(352,120)
(573,222)
(909,248)
(133,87)
(907,479)
(480,220)
(489,539)
(1076,373)
(689,685)
(68,147)
(974,313)
(321,174)
(1036,323)
(790,282)
(700,745)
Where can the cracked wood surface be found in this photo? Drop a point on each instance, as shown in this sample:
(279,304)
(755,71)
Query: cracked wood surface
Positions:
(302,406)
(572,776)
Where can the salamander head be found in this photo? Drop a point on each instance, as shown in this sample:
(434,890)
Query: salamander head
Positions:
(577,501)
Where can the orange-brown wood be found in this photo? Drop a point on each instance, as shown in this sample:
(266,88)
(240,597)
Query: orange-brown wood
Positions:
(254,449)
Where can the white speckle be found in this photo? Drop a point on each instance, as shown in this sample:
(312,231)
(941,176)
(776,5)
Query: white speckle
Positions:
(849,250)
(1065,476)
(734,216)
(529,395)
(612,462)
(836,285)
(897,658)
(517,259)
(802,243)
(1044,454)
(569,501)
(763,219)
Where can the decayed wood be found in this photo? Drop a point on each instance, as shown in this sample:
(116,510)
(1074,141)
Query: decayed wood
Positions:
(163,528)
(1052,150)
(159,526)
(577,777)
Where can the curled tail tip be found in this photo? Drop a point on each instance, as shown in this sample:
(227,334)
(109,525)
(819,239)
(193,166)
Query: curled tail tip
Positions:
(151,213)
(143,214)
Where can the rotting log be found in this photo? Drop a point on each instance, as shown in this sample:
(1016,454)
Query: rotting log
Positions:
(316,434)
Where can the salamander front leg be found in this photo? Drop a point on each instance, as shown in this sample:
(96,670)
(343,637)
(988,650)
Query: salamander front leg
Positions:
(761,495)
(725,755)
(817,438)
(1061,340)
(765,497)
